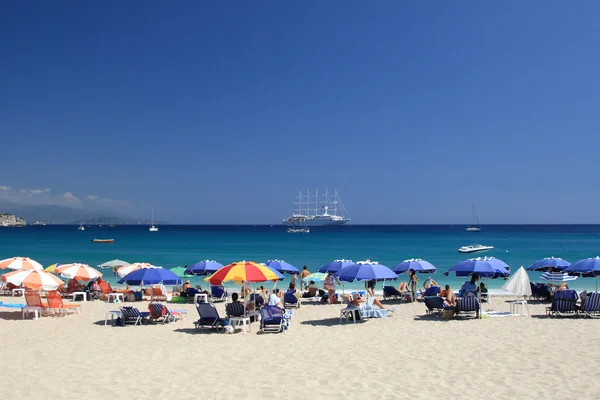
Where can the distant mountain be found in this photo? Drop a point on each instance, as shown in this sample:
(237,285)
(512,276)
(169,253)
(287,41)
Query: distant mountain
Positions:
(67,215)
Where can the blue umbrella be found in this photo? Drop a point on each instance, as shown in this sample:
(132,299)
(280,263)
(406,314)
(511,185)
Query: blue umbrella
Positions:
(588,267)
(366,271)
(488,267)
(279,274)
(416,264)
(282,266)
(151,276)
(335,266)
(206,267)
(549,264)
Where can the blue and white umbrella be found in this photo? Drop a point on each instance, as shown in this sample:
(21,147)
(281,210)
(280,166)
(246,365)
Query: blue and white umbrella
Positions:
(366,271)
(421,266)
(557,277)
(549,264)
(282,266)
(206,267)
(588,267)
(335,266)
(487,267)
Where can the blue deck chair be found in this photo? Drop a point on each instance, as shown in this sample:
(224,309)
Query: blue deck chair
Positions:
(131,315)
(431,291)
(272,319)
(290,300)
(218,293)
(564,303)
(467,306)
(434,304)
(591,305)
(390,292)
(209,317)
(539,291)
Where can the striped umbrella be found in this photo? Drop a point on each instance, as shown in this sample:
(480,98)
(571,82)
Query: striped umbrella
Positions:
(126,270)
(20,263)
(82,272)
(557,277)
(33,279)
(248,271)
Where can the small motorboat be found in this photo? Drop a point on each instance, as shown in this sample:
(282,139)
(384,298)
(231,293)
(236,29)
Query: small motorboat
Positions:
(103,240)
(473,248)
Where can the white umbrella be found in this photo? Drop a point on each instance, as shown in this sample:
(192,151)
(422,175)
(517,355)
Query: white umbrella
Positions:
(78,271)
(113,263)
(518,283)
(20,263)
(126,270)
(33,279)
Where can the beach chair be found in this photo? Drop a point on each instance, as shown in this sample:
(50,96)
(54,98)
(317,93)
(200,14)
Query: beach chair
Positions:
(564,304)
(159,312)
(235,309)
(131,315)
(591,305)
(290,300)
(467,306)
(209,317)
(272,319)
(257,299)
(431,291)
(434,304)
(55,302)
(159,292)
(34,303)
(390,292)
(218,293)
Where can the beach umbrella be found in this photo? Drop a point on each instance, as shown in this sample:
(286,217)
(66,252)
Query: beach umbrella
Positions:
(518,283)
(126,270)
(206,267)
(316,276)
(487,267)
(51,268)
(282,266)
(179,271)
(78,271)
(34,279)
(151,276)
(335,266)
(588,267)
(248,271)
(421,266)
(549,264)
(557,277)
(113,263)
(365,271)
(20,263)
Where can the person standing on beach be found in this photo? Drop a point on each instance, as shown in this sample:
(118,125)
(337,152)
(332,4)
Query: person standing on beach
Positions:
(305,272)
(413,279)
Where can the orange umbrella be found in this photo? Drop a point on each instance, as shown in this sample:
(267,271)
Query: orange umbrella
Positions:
(33,279)
(20,263)
(78,271)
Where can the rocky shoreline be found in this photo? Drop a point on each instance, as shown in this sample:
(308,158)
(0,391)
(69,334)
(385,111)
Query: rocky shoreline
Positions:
(11,221)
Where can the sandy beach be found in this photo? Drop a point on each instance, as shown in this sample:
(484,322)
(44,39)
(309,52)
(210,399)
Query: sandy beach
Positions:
(407,355)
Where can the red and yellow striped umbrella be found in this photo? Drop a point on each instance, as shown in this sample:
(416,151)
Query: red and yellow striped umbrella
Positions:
(82,272)
(20,263)
(248,271)
(33,279)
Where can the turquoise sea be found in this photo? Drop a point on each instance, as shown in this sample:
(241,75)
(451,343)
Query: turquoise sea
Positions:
(180,245)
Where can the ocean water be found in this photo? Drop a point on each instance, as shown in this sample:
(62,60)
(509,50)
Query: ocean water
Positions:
(173,245)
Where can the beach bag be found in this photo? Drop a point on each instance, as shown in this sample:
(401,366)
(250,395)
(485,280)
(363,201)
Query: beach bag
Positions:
(448,313)
(130,297)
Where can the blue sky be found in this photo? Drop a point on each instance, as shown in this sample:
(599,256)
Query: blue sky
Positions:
(220,112)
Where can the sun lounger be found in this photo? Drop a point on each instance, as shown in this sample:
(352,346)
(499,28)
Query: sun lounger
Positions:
(390,292)
(272,319)
(55,302)
(467,306)
(591,305)
(218,293)
(539,291)
(434,304)
(209,317)
(131,315)
(564,304)
(159,312)
(290,300)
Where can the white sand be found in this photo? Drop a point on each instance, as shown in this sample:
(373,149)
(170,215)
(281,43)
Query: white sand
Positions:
(402,356)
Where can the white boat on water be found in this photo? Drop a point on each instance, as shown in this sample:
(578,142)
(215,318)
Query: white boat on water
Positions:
(473,248)
(152,227)
(298,230)
(317,210)
(475,227)
(81,227)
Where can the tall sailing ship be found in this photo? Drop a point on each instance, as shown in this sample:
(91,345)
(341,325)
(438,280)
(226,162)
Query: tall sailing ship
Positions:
(317,210)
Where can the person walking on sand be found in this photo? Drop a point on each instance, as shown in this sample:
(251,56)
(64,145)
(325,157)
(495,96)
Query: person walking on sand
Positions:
(305,272)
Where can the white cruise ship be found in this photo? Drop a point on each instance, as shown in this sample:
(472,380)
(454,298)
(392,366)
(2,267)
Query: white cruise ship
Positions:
(317,210)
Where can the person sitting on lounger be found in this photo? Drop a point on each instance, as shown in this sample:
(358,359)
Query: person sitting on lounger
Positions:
(469,286)
(358,301)
(429,282)
(235,308)
(74,286)
(312,290)
(450,299)
(403,287)
(274,299)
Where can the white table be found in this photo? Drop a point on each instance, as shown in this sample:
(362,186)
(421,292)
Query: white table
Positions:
(198,295)
(20,291)
(115,296)
(33,309)
(82,294)
(514,306)
(236,321)
(112,314)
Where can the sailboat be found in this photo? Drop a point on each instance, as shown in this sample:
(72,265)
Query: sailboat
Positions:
(152,227)
(81,227)
(475,227)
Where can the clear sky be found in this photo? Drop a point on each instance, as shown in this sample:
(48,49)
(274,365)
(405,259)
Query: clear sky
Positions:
(219,112)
